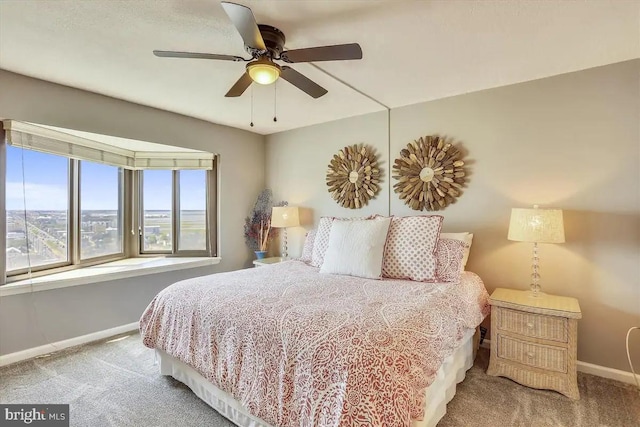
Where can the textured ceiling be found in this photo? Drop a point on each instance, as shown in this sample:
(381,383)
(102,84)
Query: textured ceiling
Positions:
(414,51)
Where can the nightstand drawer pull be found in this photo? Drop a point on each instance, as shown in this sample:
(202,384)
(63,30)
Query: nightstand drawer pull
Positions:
(550,328)
(541,356)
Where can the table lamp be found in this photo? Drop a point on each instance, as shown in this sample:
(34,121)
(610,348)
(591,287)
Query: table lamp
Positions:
(537,226)
(283,217)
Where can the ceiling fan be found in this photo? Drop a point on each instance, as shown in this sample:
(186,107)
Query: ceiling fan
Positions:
(265,44)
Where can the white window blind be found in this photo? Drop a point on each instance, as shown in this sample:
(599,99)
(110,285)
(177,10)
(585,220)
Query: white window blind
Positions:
(52,141)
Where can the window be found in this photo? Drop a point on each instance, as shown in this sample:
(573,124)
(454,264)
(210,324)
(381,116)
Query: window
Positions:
(193,210)
(174,216)
(101,228)
(157,203)
(37,212)
(73,202)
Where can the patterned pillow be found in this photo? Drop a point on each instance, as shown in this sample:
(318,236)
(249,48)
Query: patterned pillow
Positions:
(307,249)
(467,238)
(321,242)
(449,258)
(410,251)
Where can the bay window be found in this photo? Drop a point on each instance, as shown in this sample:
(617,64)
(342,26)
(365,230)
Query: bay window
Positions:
(75,199)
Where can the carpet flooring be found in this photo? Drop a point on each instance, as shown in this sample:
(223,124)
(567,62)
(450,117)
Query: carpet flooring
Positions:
(115,383)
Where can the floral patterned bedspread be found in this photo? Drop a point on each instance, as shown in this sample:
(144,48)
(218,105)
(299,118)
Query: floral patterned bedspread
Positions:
(300,348)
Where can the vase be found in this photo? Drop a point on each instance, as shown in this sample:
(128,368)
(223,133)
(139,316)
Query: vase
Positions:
(260,254)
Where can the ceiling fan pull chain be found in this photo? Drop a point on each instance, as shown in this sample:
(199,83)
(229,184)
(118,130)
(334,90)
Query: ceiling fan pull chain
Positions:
(251,124)
(275,101)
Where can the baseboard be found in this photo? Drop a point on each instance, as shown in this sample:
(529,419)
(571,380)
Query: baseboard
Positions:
(590,368)
(603,371)
(60,345)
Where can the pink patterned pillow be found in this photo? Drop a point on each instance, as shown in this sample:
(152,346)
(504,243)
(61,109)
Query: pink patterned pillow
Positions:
(321,241)
(449,256)
(307,249)
(410,252)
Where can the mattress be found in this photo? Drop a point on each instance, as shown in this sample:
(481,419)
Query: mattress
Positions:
(437,395)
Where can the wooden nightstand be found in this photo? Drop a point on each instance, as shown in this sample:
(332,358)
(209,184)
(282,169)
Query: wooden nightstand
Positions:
(267,261)
(534,340)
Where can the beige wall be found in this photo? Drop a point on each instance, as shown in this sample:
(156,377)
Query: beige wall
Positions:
(297,161)
(121,302)
(570,141)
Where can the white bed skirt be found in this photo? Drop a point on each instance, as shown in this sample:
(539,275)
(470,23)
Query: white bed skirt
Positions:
(439,393)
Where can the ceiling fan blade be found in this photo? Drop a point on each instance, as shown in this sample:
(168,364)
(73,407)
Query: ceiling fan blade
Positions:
(338,52)
(244,21)
(172,54)
(240,86)
(303,83)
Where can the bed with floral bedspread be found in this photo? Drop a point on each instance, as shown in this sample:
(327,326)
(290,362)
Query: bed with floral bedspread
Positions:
(300,348)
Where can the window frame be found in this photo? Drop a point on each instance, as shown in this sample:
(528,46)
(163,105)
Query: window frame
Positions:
(122,191)
(74,234)
(175,251)
(56,266)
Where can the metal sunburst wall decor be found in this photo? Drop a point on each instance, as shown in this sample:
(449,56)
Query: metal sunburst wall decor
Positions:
(430,173)
(353,176)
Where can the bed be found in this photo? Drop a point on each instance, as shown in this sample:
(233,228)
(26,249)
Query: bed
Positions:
(284,345)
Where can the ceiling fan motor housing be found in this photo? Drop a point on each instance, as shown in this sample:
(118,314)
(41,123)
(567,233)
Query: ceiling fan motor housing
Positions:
(273,39)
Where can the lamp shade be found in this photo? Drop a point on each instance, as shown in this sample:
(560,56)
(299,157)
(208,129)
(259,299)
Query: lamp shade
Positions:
(284,216)
(536,225)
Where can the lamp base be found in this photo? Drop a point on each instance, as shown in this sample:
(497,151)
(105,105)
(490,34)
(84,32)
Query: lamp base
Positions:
(534,294)
(285,254)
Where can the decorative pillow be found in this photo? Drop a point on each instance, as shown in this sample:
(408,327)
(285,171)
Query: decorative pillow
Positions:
(411,248)
(356,248)
(467,238)
(321,241)
(307,249)
(449,255)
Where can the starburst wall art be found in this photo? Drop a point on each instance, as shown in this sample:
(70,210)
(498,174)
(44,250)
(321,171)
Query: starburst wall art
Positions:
(430,173)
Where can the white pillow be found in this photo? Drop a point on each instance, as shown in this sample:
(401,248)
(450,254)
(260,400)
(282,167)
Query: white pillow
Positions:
(465,237)
(321,239)
(356,248)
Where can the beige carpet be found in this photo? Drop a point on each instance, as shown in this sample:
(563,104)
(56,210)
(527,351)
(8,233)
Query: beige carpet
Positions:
(116,384)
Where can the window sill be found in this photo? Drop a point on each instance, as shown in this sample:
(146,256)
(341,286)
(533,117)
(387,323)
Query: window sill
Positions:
(122,269)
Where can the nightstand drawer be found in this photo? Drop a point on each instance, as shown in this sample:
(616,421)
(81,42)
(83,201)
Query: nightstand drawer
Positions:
(537,355)
(533,325)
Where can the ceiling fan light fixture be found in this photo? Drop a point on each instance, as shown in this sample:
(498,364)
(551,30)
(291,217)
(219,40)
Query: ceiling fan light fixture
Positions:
(263,71)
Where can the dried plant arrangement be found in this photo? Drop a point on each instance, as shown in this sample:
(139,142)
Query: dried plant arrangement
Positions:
(257,226)
(353,176)
(430,173)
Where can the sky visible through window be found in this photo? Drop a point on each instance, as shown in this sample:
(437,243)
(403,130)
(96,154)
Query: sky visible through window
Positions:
(46,186)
